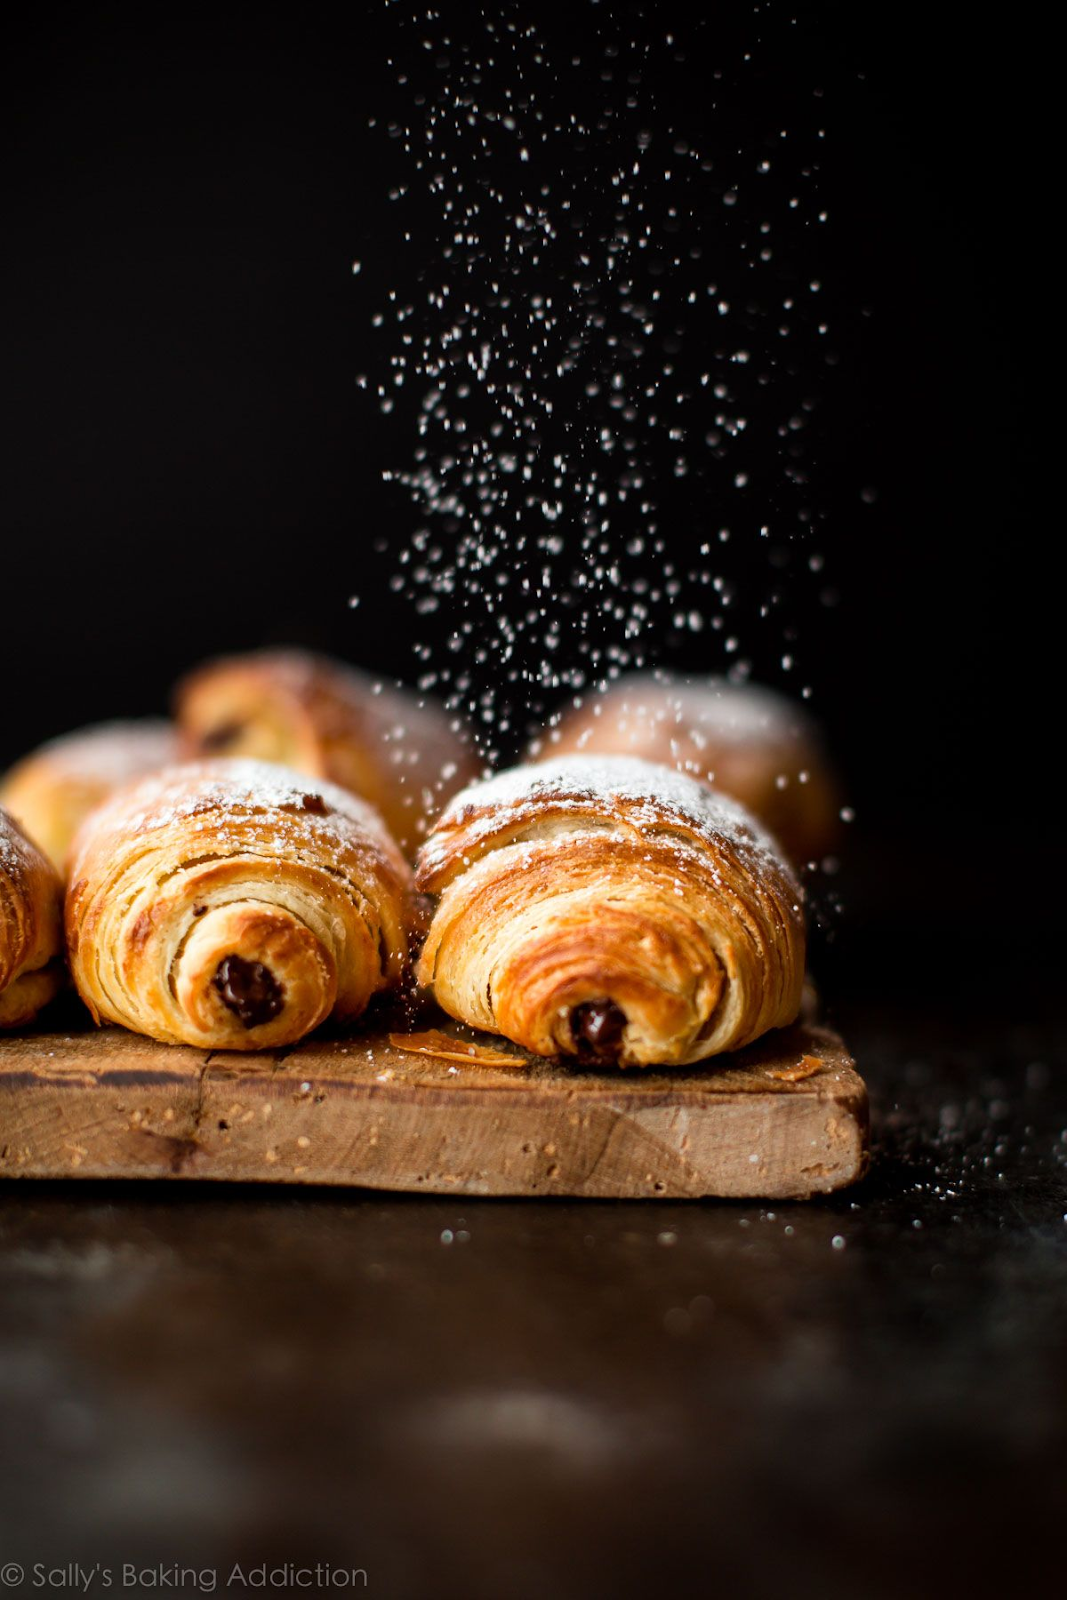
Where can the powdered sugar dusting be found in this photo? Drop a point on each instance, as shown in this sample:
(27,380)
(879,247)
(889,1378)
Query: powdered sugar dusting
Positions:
(111,752)
(650,794)
(11,844)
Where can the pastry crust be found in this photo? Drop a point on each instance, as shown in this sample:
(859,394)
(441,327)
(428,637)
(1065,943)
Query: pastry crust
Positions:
(51,791)
(235,905)
(31,927)
(396,749)
(749,742)
(610,909)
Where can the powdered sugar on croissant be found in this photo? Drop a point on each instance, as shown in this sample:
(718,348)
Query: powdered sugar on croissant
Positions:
(31,927)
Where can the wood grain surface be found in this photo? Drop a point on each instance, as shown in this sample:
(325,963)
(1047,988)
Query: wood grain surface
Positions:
(359,1111)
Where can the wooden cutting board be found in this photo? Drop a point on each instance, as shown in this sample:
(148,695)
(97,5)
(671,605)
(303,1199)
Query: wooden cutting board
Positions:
(785,1118)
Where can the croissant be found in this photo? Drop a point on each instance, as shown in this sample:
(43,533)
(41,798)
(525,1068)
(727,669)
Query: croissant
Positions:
(234,905)
(749,742)
(53,789)
(612,910)
(31,927)
(399,751)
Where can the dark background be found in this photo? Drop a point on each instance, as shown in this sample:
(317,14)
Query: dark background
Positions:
(562,1404)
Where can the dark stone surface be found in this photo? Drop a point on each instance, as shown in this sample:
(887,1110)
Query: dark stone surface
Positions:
(499,1399)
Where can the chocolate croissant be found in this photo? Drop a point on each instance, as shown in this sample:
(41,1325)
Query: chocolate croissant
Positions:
(52,790)
(612,910)
(748,742)
(31,927)
(235,906)
(396,749)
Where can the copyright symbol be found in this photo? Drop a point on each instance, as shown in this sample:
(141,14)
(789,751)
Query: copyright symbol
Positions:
(11,1574)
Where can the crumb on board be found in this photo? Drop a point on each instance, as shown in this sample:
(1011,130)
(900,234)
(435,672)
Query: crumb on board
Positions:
(435,1043)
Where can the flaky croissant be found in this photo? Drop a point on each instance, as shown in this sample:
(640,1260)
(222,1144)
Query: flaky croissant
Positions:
(612,910)
(52,790)
(398,750)
(747,741)
(31,927)
(234,905)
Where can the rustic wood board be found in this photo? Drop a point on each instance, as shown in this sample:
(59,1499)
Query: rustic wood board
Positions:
(357,1111)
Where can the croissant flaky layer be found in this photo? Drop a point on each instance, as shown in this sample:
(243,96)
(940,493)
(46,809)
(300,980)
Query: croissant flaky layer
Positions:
(612,910)
(235,905)
(746,741)
(52,790)
(31,927)
(398,750)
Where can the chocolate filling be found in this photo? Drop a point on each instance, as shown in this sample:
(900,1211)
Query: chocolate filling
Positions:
(596,1029)
(218,738)
(249,989)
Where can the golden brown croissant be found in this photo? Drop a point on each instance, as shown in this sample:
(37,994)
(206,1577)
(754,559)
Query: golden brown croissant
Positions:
(399,751)
(610,909)
(31,927)
(234,905)
(53,789)
(749,742)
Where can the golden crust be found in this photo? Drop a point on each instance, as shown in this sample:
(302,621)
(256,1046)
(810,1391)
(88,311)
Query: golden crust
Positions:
(31,928)
(235,905)
(747,741)
(317,716)
(51,791)
(618,885)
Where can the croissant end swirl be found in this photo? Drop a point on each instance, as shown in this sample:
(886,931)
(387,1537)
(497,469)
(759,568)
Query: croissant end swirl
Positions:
(31,927)
(234,905)
(613,910)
